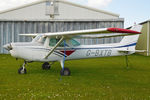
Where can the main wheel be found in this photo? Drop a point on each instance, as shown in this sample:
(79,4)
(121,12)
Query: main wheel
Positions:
(46,66)
(22,71)
(65,72)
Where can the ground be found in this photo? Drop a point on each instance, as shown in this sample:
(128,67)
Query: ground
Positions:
(91,79)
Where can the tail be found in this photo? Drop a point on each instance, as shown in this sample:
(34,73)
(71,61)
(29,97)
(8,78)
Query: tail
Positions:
(131,41)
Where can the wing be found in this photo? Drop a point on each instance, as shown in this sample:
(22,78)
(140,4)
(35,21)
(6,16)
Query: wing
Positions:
(107,32)
(102,35)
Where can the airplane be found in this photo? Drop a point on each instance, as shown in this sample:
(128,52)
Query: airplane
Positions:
(63,46)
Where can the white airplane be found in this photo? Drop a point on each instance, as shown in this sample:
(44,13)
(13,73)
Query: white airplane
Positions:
(61,46)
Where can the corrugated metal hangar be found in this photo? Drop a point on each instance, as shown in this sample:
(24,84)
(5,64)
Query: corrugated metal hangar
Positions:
(54,16)
(144,39)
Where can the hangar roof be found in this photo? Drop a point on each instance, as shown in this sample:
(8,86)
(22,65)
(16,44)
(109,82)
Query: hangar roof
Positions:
(64,1)
(28,12)
(145,21)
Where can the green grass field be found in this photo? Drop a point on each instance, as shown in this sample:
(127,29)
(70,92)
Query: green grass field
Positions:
(91,79)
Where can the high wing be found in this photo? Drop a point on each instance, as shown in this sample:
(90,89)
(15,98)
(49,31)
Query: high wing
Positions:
(104,31)
(94,36)
(92,31)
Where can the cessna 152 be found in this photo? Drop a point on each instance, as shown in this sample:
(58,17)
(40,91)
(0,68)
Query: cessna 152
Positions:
(61,46)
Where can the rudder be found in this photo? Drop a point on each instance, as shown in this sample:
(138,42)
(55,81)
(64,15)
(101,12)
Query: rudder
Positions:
(132,39)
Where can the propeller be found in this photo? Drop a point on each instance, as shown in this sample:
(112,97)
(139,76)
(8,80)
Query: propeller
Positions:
(8,47)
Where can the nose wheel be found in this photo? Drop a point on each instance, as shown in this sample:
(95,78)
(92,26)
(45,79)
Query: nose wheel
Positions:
(22,70)
(46,66)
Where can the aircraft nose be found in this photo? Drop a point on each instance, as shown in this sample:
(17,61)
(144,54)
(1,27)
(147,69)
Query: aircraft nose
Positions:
(8,47)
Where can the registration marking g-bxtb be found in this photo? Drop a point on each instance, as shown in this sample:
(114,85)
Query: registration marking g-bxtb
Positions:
(98,53)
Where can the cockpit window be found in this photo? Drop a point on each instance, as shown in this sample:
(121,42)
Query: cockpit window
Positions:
(74,42)
(64,43)
(67,43)
(54,41)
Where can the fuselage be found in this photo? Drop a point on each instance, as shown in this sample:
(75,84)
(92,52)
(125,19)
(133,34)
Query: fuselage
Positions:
(36,52)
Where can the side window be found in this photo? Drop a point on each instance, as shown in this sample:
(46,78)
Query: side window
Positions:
(53,42)
(74,42)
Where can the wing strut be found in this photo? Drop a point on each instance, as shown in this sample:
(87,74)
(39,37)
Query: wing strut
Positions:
(51,51)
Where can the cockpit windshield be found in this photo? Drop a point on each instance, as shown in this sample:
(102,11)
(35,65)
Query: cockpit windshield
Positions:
(39,39)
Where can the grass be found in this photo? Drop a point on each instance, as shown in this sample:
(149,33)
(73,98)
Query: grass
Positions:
(91,79)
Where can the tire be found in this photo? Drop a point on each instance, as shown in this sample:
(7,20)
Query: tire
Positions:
(65,72)
(46,66)
(21,71)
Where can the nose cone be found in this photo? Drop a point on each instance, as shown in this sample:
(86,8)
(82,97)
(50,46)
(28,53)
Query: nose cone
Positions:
(7,47)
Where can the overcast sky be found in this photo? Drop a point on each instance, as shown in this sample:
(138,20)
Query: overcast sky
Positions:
(132,10)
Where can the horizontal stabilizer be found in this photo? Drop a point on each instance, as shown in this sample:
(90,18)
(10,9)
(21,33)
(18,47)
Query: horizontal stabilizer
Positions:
(132,50)
(29,35)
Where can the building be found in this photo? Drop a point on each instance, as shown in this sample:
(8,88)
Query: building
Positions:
(144,39)
(54,16)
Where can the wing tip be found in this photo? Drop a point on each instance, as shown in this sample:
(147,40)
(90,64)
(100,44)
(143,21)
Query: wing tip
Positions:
(120,30)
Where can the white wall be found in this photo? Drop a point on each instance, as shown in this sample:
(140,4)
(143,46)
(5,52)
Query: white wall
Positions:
(66,11)
(31,12)
(74,12)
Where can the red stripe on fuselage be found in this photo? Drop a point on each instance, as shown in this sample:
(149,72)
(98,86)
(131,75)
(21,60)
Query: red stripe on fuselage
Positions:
(68,52)
(120,30)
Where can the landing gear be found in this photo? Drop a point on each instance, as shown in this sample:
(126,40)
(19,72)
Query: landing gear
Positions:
(64,71)
(22,70)
(46,66)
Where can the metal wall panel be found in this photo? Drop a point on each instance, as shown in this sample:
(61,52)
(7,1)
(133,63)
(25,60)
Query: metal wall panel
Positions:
(10,30)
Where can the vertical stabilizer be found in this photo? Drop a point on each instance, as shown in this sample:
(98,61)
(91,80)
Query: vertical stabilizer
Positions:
(132,39)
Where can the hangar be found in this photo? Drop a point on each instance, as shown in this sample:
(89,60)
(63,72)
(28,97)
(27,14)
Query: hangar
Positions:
(54,16)
(144,40)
